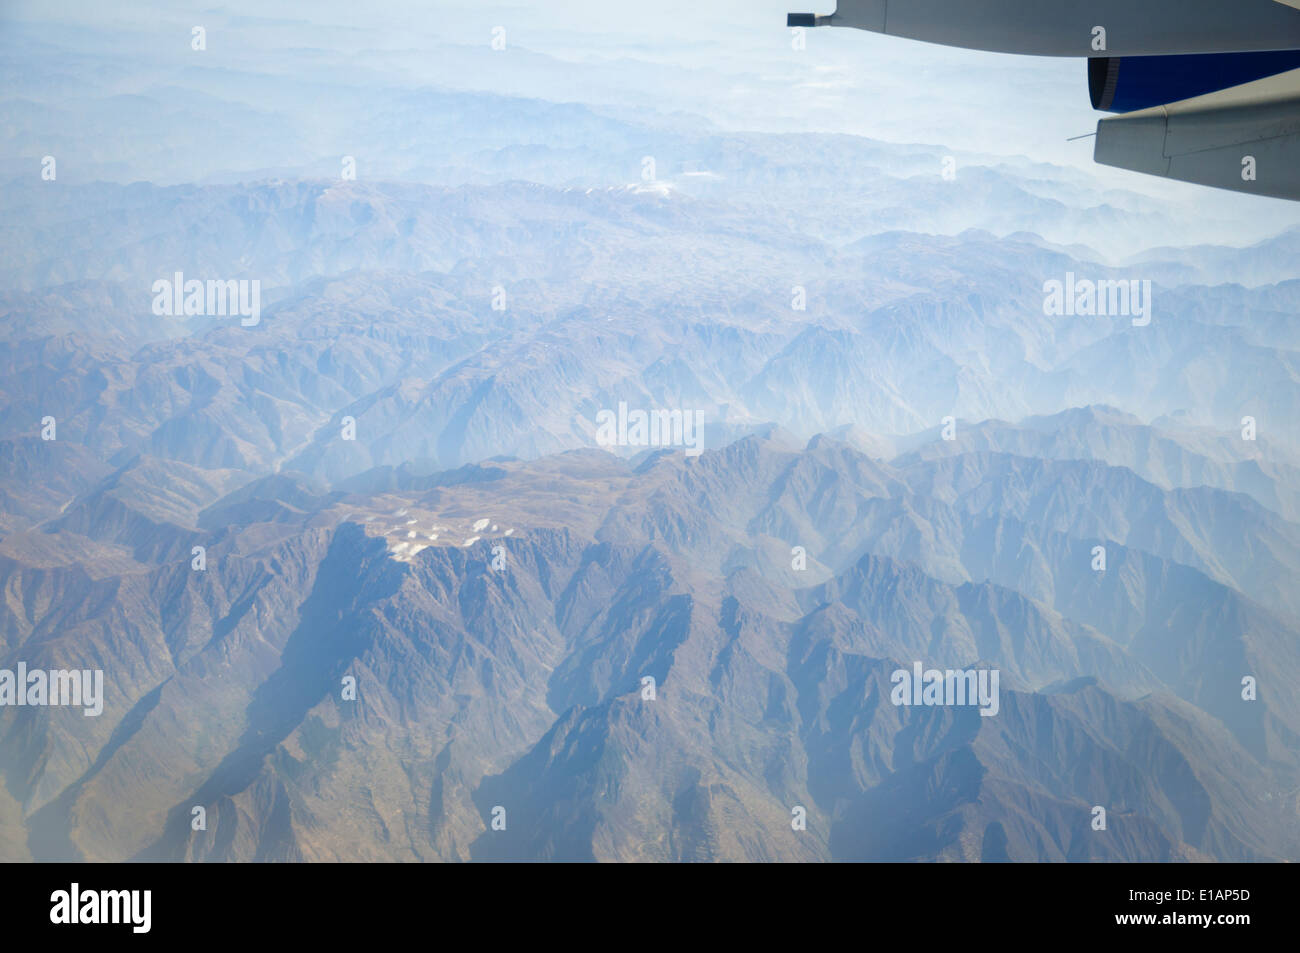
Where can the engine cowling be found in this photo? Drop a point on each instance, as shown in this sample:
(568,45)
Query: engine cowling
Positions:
(1122,84)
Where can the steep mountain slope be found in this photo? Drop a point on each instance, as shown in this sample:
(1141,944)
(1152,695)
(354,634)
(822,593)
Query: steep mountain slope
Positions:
(457,324)
(500,622)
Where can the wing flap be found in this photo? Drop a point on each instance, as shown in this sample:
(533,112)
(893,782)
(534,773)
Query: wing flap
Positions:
(1246,138)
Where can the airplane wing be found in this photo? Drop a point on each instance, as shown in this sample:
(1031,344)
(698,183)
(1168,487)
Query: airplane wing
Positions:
(1077,27)
(1207,91)
(1245,138)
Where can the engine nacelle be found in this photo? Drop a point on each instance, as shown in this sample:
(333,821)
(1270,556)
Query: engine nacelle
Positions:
(1122,84)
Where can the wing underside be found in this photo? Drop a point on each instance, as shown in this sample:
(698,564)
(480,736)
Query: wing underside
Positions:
(1073,28)
(1207,91)
(1245,138)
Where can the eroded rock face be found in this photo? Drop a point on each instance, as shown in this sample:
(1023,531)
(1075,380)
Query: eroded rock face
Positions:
(640,670)
(424,563)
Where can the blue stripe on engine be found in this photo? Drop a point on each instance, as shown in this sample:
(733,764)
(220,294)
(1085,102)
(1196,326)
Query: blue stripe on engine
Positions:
(1155,80)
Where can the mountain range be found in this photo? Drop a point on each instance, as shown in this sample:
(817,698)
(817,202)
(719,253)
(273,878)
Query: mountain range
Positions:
(374,578)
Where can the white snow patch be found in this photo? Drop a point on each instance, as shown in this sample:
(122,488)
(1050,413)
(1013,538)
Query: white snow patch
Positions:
(403,552)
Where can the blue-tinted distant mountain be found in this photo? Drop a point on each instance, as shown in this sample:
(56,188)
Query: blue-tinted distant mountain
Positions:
(1168,455)
(1261,263)
(1205,528)
(430,370)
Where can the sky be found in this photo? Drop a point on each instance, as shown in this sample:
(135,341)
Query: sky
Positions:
(731,63)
